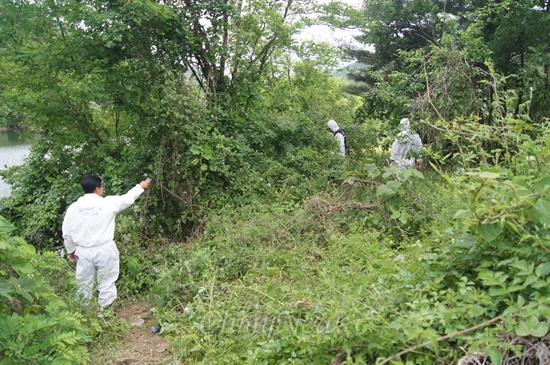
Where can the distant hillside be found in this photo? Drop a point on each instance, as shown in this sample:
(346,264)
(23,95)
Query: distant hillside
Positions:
(351,68)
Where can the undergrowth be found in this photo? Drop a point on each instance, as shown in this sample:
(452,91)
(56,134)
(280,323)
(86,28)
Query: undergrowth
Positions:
(384,270)
(264,286)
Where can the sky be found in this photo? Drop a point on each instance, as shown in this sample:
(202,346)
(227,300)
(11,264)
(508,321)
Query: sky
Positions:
(323,33)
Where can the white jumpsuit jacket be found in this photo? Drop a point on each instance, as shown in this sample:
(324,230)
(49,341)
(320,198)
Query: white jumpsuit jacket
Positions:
(333,126)
(406,146)
(88,230)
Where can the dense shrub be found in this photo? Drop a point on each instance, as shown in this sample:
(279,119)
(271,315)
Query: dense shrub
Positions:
(36,324)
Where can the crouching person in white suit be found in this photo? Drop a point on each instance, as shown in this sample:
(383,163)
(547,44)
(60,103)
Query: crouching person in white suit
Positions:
(88,233)
(407,147)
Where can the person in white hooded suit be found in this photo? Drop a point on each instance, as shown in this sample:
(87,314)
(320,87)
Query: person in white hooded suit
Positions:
(88,233)
(406,148)
(338,135)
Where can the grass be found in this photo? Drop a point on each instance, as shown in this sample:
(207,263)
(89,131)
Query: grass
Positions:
(264,285)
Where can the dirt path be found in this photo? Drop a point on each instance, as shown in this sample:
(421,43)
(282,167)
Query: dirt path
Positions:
(138,345)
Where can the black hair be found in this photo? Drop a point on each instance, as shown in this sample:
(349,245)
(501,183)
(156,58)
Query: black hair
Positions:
(90,183)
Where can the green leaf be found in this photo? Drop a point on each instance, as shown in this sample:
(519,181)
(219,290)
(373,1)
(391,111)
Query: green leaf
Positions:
(5,289)
(372,170)
(532,327)
(542,184)
(195,150)
(524,267)
(497,292)
(385,190)
(492,278)
(542,270)
(405,217)
(461,213)
(465,240)
(207,152)
(540,212)
(485,174)
(407,173)
(6,226)
(489,232)
(22,266)
(515,288)
(495,355)
(199,327)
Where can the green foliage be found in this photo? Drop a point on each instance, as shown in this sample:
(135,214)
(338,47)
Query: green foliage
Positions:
(50,180)
(514,32)
(237,289)
(406,25)
(36,325)
(291,255)
(391,262)
(199,159)
(478,61)
(114,98)
(459,100)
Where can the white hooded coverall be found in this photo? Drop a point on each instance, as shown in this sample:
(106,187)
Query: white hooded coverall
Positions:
(89,228)
(406,145)
(333,126)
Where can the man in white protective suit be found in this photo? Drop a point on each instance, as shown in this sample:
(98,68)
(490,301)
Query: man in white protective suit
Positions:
(88,233)
(405,151)
(338,135)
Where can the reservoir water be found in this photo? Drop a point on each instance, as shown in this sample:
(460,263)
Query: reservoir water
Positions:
(13,150)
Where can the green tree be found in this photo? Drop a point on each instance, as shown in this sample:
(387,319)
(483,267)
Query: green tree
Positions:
(441,60)
(392,26)
(515,32)
(125,88)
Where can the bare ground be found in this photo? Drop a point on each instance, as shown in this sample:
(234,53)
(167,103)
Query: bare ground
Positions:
(137,345)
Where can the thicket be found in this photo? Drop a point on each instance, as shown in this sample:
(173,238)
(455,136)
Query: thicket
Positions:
(433,266)
(37,323)
(257,243)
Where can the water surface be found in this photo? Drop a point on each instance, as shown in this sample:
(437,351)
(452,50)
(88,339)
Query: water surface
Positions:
(13,150)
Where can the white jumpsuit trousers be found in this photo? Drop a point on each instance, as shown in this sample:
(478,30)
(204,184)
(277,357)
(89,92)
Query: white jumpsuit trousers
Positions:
(99,263)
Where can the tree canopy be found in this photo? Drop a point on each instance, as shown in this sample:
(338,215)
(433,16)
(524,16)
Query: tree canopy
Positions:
(180,89)
(500,32)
